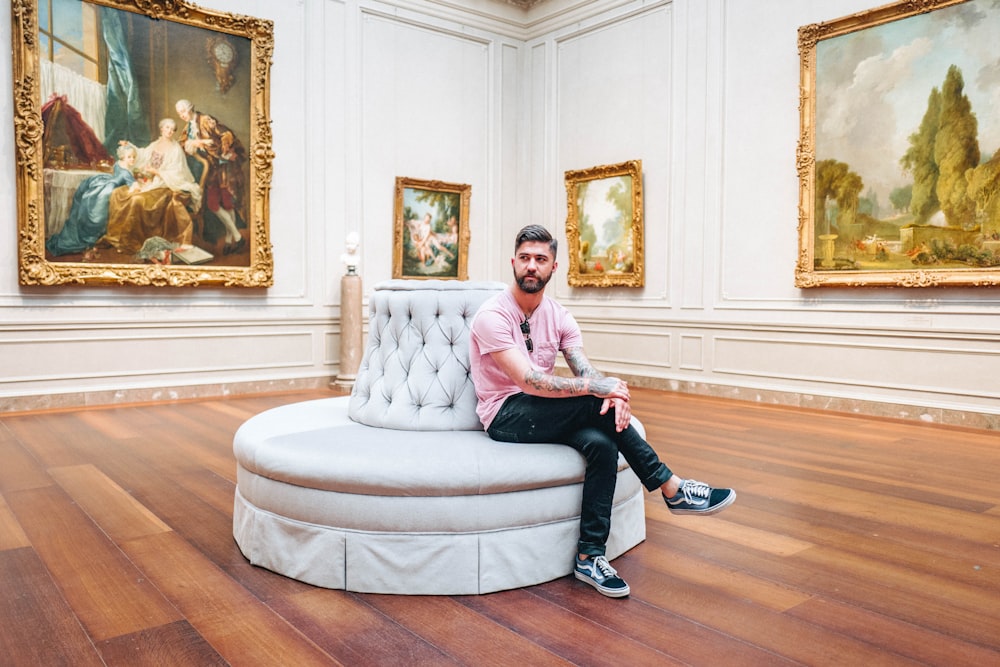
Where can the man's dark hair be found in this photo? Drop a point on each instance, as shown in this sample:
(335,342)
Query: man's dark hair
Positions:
(536,233)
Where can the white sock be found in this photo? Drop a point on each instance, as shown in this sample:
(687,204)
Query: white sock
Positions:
(681,481)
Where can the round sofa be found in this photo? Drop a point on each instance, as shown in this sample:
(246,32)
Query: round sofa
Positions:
(397,489)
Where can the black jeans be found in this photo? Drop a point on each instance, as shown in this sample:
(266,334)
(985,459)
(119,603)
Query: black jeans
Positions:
(577,422)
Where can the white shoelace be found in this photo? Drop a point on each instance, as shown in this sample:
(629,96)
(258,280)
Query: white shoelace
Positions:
(602,564)
(692,488)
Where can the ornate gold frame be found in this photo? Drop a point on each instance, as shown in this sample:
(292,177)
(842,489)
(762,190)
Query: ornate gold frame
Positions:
(840,259)
(34,268)
(626,268)
(447,256)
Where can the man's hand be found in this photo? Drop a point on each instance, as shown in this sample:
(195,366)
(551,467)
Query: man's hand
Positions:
(609,388)
(623,412)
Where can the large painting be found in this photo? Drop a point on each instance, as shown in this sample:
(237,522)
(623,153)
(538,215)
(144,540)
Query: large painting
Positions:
(604,225)
(431,233)
(899,152)
(143,143)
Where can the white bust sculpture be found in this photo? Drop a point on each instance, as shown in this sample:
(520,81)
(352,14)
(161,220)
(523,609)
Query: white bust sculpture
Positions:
(351,258)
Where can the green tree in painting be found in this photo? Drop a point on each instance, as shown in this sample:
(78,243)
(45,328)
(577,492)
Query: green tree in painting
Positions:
(900,198)
(984,185)
(620,196)
(588,235)
(956,150)
(919,161)
(836,181)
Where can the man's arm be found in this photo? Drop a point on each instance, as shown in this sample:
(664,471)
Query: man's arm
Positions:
(580,365)
(536,383)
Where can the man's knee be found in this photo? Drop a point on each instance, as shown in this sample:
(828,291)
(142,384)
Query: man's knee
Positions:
(596,446)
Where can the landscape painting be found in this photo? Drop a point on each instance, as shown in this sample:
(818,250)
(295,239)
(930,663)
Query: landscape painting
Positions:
(899,157)
(604,227)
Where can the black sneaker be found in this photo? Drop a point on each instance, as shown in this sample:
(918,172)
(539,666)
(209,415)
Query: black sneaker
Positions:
(699,498)
(597,572)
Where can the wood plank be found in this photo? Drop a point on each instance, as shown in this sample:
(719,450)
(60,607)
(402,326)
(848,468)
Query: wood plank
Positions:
(663,629)
(959,609)
(907,547)
(20,470)
(770,541)
(38,626)
(457,630)
(728,579)
(118,514)
(158,486)
(928,646)
(103,588)
(754,624)
(350,628)
(11,534)
(51,439)
(863,588)
(240,627)
(848,500)
(174,644)
(559,630)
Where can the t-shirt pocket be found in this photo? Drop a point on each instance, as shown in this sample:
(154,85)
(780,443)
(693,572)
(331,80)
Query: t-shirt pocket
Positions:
(545,356)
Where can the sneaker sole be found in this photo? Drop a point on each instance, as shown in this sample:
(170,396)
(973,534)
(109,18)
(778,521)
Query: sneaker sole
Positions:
(603,590)
(708,510)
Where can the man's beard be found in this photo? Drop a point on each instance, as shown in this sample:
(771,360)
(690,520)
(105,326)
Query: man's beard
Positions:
(535,287)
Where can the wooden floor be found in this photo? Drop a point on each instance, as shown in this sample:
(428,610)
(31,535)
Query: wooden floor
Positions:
(854,541)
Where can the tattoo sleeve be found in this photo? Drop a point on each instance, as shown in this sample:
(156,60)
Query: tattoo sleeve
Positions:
(579,364)
(553,385)
(586,379)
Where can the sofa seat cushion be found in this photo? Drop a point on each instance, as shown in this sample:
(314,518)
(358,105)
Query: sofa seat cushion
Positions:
(321,448)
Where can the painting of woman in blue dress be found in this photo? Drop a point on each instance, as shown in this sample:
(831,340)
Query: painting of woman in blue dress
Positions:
(88,216)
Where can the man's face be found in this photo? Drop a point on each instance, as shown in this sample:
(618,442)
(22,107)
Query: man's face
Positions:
(184,113)
(533,266)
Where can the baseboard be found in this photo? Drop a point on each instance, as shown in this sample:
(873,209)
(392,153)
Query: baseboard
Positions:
(868,408)
(864,407)
(86,399)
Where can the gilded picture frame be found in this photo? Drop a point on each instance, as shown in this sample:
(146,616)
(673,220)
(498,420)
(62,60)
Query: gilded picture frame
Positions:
(104,196)
(431,231)
(604,226)
(898,158)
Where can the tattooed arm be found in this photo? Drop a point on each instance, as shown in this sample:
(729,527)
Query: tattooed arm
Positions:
(580,365)
(536,383)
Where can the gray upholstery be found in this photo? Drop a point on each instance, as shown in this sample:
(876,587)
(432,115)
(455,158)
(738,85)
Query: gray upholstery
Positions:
(397,489)
(414,375)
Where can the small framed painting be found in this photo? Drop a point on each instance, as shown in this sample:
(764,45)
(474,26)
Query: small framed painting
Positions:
(431,237)
(604,225)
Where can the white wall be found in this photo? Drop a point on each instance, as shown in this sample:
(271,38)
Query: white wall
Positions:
(704,92)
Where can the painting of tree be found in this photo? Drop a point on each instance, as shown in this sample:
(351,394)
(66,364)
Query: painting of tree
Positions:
(894,187)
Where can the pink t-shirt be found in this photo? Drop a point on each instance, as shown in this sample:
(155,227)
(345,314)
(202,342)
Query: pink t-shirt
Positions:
(497,327)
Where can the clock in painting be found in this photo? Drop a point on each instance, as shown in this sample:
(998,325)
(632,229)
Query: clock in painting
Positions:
(222,56)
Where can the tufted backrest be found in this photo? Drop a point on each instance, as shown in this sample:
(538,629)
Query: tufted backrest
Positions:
(414,375)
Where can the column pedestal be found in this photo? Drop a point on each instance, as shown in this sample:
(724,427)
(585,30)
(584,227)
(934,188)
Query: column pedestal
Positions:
(827,248)
(350,331)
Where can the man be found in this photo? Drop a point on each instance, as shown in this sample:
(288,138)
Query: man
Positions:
(222,156)
(513,345)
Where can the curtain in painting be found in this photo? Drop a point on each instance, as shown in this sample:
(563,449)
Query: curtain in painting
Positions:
(124,118)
